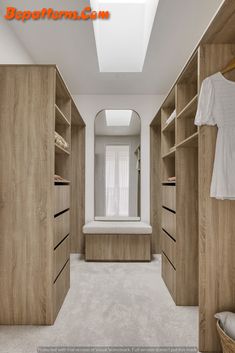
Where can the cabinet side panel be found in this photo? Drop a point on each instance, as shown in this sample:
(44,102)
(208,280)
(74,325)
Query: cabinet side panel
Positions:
(26,193)
(77,189)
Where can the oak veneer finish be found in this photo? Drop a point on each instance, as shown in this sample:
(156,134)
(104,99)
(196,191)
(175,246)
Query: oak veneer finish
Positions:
(169,222)
(187,226)
(26,194)
(169,247)
(61,227)
(28,200)
(61,287)
(61,256)
(169,276)
(77,189)
(118,247)
(216,220)
(62,198)
(155,187)
(169,196)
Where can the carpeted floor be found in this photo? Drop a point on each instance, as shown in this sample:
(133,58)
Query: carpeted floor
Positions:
(113,304)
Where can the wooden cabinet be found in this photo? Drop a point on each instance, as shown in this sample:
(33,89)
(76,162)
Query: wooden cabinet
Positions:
(62,198)
(169,222)
(169,197)
(61,256)
(169,276)
(35,214)
(169,248)
(61,227)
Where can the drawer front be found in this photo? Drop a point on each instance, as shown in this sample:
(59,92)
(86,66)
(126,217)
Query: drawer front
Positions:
(61,287)
(169,196)
(62,198)
(169,222)
(169,248)
(61,227)
(169,276)
(61,255)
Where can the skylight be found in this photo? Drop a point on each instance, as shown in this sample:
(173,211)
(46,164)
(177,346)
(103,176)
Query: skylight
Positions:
(122,41)
(118,117)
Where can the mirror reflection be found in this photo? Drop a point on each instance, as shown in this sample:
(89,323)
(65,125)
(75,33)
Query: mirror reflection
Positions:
(117,165)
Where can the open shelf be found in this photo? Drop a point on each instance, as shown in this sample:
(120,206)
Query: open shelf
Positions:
(185,121)
(187,86)
(190,108)
(60,117)
(63,99)
(170,127)
(170,154)
(191,141)
(61,150)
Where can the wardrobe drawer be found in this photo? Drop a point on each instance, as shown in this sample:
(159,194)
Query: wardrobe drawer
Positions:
(62,198)
(169,276)
(61,227)
(169,248)
(169,222)
(169,196)
(61,255)
(61,287)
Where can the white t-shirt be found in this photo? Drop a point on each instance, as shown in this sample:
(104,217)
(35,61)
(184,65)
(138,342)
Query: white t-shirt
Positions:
(216,106)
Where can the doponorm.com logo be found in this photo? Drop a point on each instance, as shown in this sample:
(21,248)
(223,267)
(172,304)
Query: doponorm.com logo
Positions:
(87,13)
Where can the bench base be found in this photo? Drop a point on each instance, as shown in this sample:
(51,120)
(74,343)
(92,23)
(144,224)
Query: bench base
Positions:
(118,247)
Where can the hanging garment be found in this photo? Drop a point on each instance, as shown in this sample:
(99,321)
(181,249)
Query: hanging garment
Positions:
(216,106)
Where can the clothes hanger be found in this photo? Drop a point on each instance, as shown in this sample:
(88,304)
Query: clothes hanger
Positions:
(230,66)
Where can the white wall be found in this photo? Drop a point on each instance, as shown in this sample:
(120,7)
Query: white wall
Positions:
(11,49)
(146,106)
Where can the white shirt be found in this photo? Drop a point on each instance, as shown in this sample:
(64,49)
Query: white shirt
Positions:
(216,106)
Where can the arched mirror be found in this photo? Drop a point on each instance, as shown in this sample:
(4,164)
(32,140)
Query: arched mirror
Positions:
(117,165)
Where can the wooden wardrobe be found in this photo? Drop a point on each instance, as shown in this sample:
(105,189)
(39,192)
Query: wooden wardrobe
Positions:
(40,220)
(194,232)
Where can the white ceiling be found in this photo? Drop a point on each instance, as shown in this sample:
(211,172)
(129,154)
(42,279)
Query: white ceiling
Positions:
(178,27)
(101,128)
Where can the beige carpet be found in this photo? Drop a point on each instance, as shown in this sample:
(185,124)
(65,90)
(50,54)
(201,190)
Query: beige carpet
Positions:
(113,304)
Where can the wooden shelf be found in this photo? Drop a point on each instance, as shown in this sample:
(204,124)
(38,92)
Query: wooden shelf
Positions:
(60,117)
(189,109)
(170,154)
(191,141)
(170,126)
(61,150)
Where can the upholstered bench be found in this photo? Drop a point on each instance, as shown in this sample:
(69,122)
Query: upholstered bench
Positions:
(117,241)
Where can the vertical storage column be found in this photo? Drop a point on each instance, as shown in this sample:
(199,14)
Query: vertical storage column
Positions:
(155,183)
(216,217)
(187,185)
(168,232)
(61,274)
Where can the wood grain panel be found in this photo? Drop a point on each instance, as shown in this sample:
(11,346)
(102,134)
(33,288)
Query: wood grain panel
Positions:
(61,256)
(169,248)
(118,247)
(155,187)
(169,276)
(61,227)
(169,222)
(26,194)
(169,196)
(60,289)
(216,221)
(187,226)
(62,198)
(78,189)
